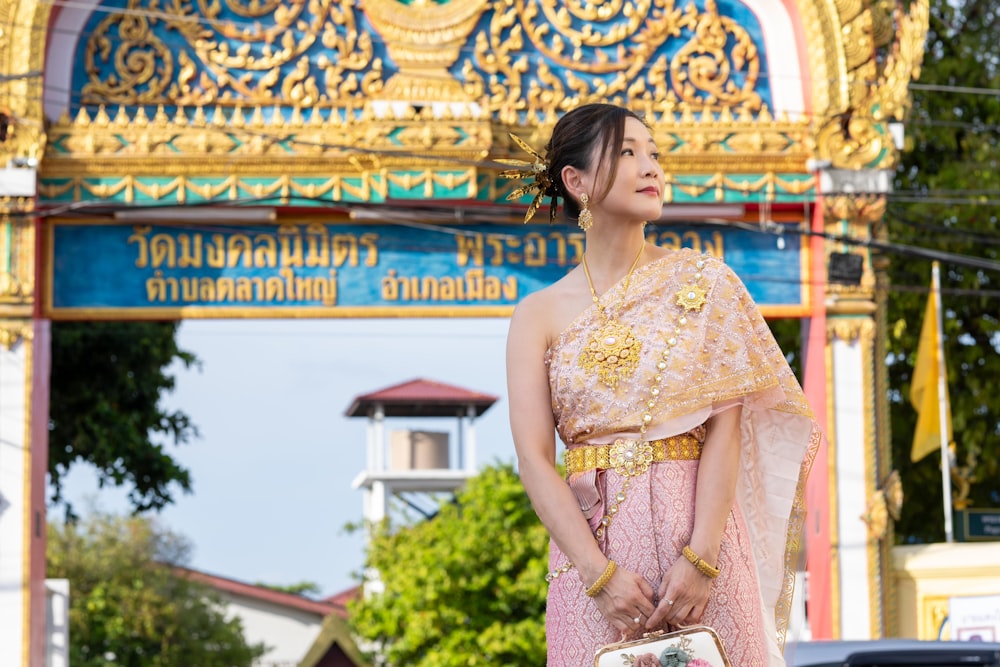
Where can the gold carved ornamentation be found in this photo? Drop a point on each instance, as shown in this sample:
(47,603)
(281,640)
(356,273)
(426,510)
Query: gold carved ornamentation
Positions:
(849,329)
(701,73)
(853,217)
(718,67)
(820,24)
(203,140)
(22,58)
(902,65)
(231,106)
(876,516)
(893,489)
(12,331)
(17,257)
(964,476)
(273,35)
(876,73)
(424,39)
(935,611)
(864,209)
(877,570)
(186,143)
(853,140)
(738,141)
(886,503)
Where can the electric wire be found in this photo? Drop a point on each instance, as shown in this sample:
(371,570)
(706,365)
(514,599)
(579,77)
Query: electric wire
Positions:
(906,196)
(886,247)
(774,229)
(964,90)
(978,237)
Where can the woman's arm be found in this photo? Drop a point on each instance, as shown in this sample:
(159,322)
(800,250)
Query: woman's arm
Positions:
(626,595)
(715,493)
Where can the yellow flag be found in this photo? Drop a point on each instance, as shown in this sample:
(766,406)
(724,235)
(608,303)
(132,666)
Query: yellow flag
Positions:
(924,390)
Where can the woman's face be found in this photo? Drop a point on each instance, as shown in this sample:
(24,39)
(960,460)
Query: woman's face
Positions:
(637,191)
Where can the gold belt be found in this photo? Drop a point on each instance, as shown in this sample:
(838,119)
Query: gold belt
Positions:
(632,457)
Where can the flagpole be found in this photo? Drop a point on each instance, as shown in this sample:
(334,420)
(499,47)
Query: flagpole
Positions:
(943,407)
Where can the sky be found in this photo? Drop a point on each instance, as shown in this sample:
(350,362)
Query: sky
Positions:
(273,467)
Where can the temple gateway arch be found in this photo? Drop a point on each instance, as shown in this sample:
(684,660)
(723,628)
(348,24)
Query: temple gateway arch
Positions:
(335,159)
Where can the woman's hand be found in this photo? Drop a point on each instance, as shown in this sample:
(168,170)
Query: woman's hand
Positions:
(684,590)
(683,596)
(625,598)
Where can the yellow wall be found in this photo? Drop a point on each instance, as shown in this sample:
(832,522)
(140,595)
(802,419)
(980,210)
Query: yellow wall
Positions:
(927,576)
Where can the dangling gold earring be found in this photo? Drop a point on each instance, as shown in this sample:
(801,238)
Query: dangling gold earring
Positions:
(586,218)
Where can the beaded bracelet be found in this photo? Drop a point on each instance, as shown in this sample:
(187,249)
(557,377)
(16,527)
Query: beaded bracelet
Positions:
(602,580)
(703,567)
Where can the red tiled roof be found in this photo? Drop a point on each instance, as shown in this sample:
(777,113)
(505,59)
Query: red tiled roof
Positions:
(341,599)
(321,608)
(422,398)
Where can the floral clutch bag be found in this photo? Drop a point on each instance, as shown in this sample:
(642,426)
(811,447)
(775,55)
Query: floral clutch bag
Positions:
(696,646)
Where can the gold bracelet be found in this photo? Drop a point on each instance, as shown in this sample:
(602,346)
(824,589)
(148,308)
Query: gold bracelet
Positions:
(602,580)
(703,567)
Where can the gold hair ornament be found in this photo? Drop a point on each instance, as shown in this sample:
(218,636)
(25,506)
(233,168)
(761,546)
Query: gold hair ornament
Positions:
(541,184)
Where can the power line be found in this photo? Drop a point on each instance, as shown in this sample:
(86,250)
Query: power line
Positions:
(777,230)
(962,90)
(972,200)
(950,291)
(982,238)
(4,78)
(885,247)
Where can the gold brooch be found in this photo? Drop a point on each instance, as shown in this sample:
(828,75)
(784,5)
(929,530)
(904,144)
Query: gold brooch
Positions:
(629,457)
(691,297)
(613,351)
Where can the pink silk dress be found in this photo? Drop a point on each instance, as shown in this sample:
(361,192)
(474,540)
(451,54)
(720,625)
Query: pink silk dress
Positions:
(720,354)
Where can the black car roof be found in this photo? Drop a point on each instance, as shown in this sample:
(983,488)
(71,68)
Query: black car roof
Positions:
(835,653)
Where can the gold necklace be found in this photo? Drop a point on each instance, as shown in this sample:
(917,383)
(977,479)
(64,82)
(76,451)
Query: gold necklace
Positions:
(613,350)
(690,297)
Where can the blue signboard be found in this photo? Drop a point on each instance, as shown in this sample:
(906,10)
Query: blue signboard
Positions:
(311,269)
(977,525)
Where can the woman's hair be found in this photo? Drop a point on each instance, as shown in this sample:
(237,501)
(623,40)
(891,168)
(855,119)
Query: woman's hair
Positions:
(572,144)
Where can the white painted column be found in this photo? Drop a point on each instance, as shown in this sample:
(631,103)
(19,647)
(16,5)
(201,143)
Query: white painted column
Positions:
(57,621)
(377,501)
(15,506)
(853,589)
(378,439)
(858,527)
(470,441)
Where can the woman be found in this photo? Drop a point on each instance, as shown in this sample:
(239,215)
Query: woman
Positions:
(679,414)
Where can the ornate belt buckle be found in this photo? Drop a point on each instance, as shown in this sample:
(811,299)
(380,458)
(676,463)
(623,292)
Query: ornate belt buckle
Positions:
(630,457)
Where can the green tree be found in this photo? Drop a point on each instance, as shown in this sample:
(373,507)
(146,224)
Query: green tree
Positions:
(129,609)
(106,384)
(466,587)
(946,198)
(304,588)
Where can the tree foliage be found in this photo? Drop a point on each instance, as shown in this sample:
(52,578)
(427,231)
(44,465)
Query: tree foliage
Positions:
(303,588)
(466,587)
(129,609)
(106,384)
(946,197)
